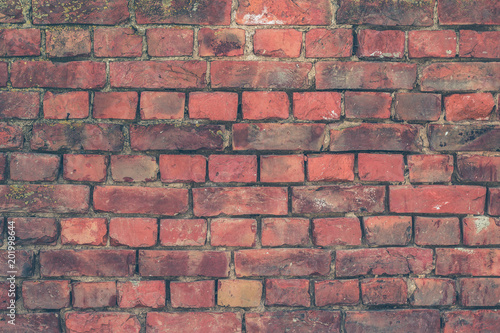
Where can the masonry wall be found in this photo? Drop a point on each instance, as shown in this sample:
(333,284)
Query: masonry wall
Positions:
(250,166)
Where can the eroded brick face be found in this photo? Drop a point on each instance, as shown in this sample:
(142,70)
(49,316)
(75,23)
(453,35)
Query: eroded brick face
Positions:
(250,166)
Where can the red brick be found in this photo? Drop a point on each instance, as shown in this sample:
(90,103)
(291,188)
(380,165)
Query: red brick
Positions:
(285,231)
(312,321)
(470,137)
(11,136)
(67,42)
(461,321)
(34,167)
(440,199)
(233,232)
(494,203)
(257,105)
(87,322)
(391,12)
(432,292)
(91,168)
(287,292)
(184,263)
(387,137)
(140,200)
(6,288)
(221,42)
(432,44)
(24,264)
(94,294)
(144,74)
(76,136)
(84,231)
(366,104)
(378,261)
(162,105)
(44,198)
(336,292)
(46,74)
(481,230)
(268,136)
(177,137)
(117,42)
(183,232)
(281,43)
(480,292)
(393,321)
(69,105)
(477,106)
(31,323)
(170,42)
(384,291)
(456,76)
(19,42)
(387,230)
(183,168)
(213,105)
(369,75)
(133,232)
(381,167)
(196,294)
(19,104)
(3,166)
(455,12)
(239,293)
(213,201)
(207,322)
(134,294)
(437,231)
(281,12)
(260,74)
(4,74)
(337,199)
(317,105)
(282,262)
(330,167)
(430,168)
(35,230)
(281,168)
(205,12)
(115,105)
(46,294)
(476,44)
(381,44)
(12,12)
(110,12)
(134,168)
(87,263)
(477,168)
(417,106)
(325,43)
(474,262)
(336,231)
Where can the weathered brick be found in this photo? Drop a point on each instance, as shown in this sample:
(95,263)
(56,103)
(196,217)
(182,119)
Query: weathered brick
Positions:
(162,105)
(174,74)
(281,12)
(381,44)
(67,42)
(479,44)
(268,136)
(175,137)
(213,201)
(336,231)
(312,321)
(378,261)
(393,321)
(35,230)
(336,292)
(134,294)
(23,266)
(183,232)
(417,107)
(383,291)
(330,167)
(287,292)
(94,294)
(6,287)
(19,104)
(257,105)
(208,322)
(213,105)
(432,292)
(460,76)
(365,75)
(87,263)
(133,232)
(239,293)
(221,42)
(3,166)
(133,168)
(323,43)
(84,231)
(477,106)
(11,136)
(336,199)
(59,136)
(432,44)
(68,105)
(494,203)
(481,230)
(430,168)
(4,74)
(318,105)
(196,294)
(31,323)
(281,43)
(381,167)
(46,74)
(281,168)
(285,231)
(464,321)
(366,104)
(455,12)
(90,168)
(260,74)
(437,231)
(387,230)
(440,199)
(232,168)
(285,262)
(480,292)
(471,137)
(87,322)
(12,12)
(34,167)
(169,42)
(475,262)
(233,232)
(477,168)
(115,105)
(19,42)
(184,263)
(46,294)
(117,42)
(140,200)
(183,168)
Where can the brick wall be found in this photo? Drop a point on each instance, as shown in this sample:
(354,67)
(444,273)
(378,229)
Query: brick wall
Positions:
(250,166)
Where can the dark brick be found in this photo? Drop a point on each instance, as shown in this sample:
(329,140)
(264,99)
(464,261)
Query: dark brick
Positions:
(12,12)
(471,137)
(31,323)
(416,106)
(461,76)
(313,321)
(35,230)
(461,12)
(23,266)
(393,321)
(465,321)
